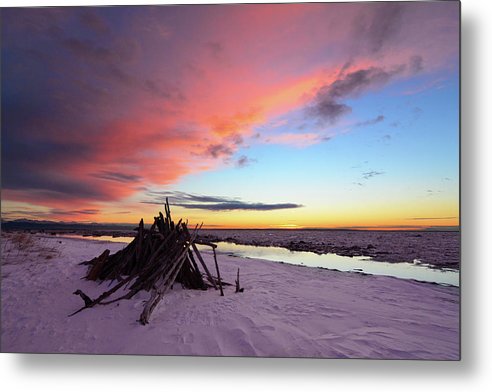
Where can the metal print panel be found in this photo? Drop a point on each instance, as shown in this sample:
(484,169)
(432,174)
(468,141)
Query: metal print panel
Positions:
(261,180)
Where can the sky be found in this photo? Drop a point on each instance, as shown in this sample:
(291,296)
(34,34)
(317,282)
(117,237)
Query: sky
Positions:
(321,115)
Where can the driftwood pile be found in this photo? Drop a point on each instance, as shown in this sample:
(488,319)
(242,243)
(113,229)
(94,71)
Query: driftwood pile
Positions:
(156,259)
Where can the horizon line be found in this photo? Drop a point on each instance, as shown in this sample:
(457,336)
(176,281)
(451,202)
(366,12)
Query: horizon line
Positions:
(273,227)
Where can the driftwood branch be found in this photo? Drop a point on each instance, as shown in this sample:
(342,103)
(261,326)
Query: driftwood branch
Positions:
(238,286)
(85,297)
(155,259)
(218,274)
(97,266)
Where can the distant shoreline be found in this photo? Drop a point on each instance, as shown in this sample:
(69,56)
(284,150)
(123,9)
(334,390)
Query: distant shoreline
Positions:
(440,249)
(124,228)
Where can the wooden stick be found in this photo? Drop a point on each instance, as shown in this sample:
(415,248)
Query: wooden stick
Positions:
(218,274)
(157,296)
(101,297)
(200,242)
(140,239)
(87,300)
(238,287)
(97,266)
(198,273)
(166,283)
(154,260)
(200,259)
(202,262)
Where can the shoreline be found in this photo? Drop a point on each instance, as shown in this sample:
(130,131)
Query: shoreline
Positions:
(227,253)
(374,244)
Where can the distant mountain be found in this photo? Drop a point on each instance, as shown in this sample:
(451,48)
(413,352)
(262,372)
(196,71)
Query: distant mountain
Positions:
(27,224)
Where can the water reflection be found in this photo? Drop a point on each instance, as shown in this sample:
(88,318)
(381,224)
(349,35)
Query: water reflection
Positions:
(417,270)
(125,240)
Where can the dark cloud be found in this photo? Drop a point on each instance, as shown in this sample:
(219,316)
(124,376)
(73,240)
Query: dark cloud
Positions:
(243,161)
(373,31)
(327,105)
(344,68)
(155,89)
(236,139)
(432,192)
(58,100)
(327,109)
(119,75)
(361,80)
(218,150)
(48,184)
(371,174)
(49,152)
(33,214)
(91,20)
(213,203)
(109,61)
(215,48)
(86,211)
(240,206)
(46,131)
(372,121)
(181,197)
(416,64)
(41,21)
(116,176)
(87,50)
(26,161)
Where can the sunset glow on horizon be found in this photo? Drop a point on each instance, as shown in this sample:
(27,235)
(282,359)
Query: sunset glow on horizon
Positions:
(314,115)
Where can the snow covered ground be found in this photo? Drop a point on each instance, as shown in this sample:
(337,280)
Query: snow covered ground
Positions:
(285,310)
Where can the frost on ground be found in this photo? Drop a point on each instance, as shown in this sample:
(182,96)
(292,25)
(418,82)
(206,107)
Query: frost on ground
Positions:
(285,310)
